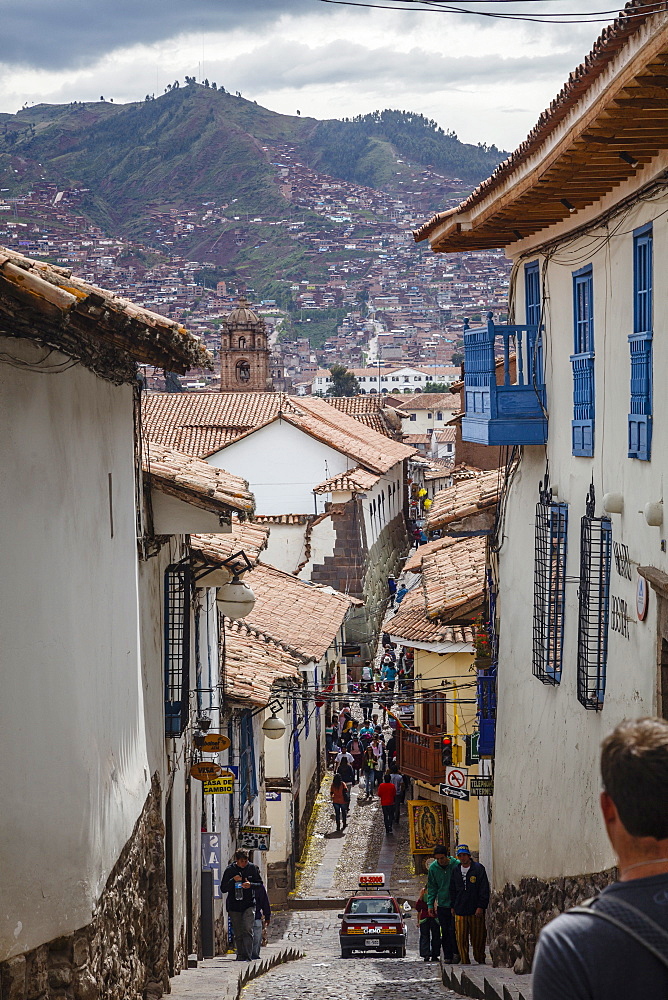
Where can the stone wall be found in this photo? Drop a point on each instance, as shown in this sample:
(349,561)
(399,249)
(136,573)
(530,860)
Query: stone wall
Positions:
(516,914)
(124,952)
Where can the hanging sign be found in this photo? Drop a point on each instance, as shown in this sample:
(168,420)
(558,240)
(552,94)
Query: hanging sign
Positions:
(481,786)
(212,860)
(454,793)
(223,785)
(642,598)
(215,743)
(205,770)
(255,838)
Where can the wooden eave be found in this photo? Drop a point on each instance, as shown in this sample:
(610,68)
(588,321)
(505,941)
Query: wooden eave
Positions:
(629,116)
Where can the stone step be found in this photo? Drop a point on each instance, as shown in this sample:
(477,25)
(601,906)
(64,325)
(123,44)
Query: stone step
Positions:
(481,982)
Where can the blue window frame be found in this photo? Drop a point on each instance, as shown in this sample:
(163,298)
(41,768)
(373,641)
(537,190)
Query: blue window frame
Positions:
(549,594)
(532,293)
(640,344)
(582,361)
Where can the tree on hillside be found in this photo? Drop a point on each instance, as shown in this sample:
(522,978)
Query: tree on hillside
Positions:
(343,383)
(457,358)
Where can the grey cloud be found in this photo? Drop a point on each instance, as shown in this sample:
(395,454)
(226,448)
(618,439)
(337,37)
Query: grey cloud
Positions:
(283,64)
(57,34)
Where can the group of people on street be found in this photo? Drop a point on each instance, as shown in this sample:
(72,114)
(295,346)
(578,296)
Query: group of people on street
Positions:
(247,905)
(451,908)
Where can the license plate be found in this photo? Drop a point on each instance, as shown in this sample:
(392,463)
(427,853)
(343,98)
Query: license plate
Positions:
(371,942)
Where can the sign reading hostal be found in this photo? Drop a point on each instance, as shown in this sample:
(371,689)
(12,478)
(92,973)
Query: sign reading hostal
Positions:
(215,743)
(222,785)
(254,838)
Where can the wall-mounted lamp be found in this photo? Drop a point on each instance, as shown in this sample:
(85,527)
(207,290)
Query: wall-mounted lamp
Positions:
(654,514)
(627,158)
(274,726)
(567,204)
(613,503)
(235,599)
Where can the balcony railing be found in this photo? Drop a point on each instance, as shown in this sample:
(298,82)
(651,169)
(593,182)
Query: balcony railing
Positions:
(420,755)
(504,385)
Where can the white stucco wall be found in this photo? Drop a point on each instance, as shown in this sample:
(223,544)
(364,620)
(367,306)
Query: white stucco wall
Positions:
(286,546)
(546,818)
(74,767)
(282,465)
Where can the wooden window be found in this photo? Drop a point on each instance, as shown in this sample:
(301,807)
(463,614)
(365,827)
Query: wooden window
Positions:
(640,345)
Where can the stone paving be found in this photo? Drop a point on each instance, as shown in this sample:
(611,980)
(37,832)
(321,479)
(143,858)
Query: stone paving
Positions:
(323,973)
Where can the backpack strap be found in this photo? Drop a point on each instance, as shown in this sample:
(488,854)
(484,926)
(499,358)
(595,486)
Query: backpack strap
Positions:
(631,921)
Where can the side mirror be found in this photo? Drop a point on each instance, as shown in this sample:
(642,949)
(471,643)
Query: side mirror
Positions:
(340,916)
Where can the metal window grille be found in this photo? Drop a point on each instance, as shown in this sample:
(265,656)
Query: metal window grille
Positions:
(177,648)
(593,605)
(486,697)
(640,345)
(549,590)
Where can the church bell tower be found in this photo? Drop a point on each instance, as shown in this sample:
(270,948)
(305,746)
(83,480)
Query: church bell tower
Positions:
(244,352)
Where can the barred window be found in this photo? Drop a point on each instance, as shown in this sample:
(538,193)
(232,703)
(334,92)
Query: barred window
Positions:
(594,605)
(176,648)
(551,537)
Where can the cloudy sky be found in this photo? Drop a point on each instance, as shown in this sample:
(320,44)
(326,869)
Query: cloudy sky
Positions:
(486,79)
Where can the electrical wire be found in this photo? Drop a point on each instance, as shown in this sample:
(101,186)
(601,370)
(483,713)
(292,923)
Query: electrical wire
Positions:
(567,17)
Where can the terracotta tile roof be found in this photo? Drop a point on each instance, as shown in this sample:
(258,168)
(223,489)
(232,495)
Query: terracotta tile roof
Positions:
(417,439)
(619,107)
(448,435)
(357,480)
(465,497)
(167,415)
(429,401)
(438,472)
(414,562)
(371,411)
(196,482)
(413,626)
(453,578)
(106,333)
(302,617)
(284,518)
(252,538)
(254,663)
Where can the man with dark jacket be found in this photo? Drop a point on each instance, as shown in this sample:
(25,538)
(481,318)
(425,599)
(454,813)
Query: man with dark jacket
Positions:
(469,891)
(239,881)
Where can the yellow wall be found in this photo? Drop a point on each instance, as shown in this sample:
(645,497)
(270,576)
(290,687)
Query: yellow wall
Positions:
(431,669)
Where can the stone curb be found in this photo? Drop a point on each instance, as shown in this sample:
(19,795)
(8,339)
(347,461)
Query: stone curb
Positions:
(484,985)
(264,965)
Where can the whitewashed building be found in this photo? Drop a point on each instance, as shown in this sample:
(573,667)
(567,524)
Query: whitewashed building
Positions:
(582,570)
(403,378)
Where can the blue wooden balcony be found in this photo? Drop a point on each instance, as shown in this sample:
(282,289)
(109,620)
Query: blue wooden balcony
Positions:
(504,385)
(486,695)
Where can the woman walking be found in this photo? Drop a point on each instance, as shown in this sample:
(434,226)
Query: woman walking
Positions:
(340,795)
(370,765)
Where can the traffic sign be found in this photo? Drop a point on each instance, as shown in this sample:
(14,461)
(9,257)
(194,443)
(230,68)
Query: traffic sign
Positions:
(482,786)
(454,793)
(456,777)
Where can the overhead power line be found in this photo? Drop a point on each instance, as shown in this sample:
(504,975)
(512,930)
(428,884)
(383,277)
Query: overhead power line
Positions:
(551,17)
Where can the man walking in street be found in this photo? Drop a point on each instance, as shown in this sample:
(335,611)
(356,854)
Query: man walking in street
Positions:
(615,947)
(469,891)
(239,881)
(439,899)
(387,793)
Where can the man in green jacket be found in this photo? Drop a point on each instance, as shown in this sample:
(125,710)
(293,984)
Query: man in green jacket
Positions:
(438,898)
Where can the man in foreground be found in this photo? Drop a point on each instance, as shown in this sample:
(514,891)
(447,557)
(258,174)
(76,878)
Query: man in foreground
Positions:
(239,881)
(617,948)
(439,900)
(469,889)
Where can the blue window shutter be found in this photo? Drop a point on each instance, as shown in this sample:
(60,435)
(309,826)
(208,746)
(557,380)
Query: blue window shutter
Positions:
(532,293)
(640,345)
(584,399)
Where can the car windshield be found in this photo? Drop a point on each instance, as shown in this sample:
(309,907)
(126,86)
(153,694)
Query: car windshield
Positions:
(382,907)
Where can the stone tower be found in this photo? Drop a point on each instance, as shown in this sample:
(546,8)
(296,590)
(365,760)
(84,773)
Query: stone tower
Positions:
(244,352)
